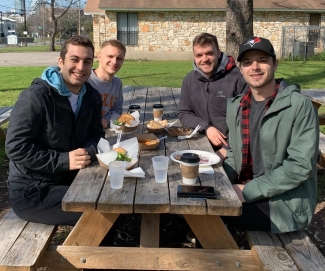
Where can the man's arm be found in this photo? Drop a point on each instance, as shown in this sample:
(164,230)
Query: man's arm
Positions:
(185,112)
(26,120)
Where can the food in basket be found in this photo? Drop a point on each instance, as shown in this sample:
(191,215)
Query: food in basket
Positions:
(155,124)
(177,131)
(124,119)
(122,155)
(147,141)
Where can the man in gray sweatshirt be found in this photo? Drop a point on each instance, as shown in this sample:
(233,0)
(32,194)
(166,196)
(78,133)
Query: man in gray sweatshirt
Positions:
(111,58)
(205,91)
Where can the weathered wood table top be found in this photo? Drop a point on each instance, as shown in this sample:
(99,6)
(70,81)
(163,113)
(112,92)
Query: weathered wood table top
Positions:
(317,96)
(90,193)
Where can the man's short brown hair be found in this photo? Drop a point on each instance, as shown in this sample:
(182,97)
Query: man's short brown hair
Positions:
(205,38)
(114,43)
(76,40)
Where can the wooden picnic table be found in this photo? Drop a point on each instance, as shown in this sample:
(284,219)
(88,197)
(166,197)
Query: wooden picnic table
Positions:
(317,96)
(90,193)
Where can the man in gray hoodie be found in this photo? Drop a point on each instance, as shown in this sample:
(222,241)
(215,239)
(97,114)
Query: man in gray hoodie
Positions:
(205,91)
(111,58)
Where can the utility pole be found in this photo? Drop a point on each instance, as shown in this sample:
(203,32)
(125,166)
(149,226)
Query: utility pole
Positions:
(2,34)
(79,18)
(25,22)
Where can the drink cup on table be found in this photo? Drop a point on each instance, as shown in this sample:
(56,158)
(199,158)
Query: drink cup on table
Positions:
(157,111)
(116,173)
(160,167)
(134,107)
(190,167)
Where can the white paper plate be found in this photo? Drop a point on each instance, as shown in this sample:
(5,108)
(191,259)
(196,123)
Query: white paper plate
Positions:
(213,158)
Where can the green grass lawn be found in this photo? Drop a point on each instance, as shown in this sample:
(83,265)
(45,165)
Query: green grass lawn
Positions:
(28,48)
(156,73)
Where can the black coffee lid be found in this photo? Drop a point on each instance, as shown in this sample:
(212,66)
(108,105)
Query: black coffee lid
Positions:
(190,158)
(158,106)
(134,106)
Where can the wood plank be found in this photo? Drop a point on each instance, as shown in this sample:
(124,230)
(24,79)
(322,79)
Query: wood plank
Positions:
(317,96)
(11,227)
(90,229)
(211,231)
(117,200)
(29,247)
(151,197)
(301,249)
(269,252)
(79,197)
(5,114)
(321,160)
(149,236)
(150,258)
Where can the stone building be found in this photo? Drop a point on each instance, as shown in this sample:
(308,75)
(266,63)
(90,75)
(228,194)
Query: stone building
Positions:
(160,30)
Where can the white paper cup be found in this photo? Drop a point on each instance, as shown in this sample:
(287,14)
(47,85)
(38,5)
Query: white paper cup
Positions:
(190,167)
(160,167)
(116,173)
(157,111)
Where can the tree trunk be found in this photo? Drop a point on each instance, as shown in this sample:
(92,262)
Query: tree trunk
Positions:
(239,18)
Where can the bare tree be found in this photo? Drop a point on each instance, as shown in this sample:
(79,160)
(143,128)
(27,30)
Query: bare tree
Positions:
(239,17)
(56,17)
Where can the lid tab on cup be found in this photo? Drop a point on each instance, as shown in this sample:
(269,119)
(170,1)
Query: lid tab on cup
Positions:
(190,157)
(157,106)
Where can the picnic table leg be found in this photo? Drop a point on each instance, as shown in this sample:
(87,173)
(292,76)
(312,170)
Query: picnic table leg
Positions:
(90,229)
(149,236)
(211,231)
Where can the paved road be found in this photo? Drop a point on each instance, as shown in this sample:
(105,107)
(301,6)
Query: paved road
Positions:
(29,59)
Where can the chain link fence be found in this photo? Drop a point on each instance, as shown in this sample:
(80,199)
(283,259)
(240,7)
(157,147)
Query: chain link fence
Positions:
(302,42)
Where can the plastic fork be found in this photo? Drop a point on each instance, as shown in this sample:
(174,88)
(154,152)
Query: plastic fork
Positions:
(119,135)
(190,135)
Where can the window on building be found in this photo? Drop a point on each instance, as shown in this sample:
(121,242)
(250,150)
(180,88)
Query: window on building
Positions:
(127,28)
(314,32)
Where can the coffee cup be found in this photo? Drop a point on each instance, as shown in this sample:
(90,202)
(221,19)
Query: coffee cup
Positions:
(134,107)
(190,167)
(157,111)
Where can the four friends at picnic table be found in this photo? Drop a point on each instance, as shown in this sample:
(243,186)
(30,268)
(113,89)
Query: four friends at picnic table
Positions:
(267,133)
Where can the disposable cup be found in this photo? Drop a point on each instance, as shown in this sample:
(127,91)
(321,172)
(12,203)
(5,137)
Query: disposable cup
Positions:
(116,173)
(160,167)
(134,107)
(157,110)
(190,167)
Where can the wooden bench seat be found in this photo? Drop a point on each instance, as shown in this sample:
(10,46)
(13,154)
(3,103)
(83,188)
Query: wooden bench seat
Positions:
(22,243)
(4,117)
(292,251)
(321,157)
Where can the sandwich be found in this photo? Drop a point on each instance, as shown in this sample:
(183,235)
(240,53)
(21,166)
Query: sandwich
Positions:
(124,119)
(122,155)
(157,124)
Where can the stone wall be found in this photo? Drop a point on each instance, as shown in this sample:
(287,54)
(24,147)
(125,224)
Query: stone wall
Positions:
(173,32)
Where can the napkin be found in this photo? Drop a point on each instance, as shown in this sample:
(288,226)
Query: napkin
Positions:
(206,169)
(136,173)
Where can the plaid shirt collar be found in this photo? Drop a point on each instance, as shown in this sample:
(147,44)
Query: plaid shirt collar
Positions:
(246,172)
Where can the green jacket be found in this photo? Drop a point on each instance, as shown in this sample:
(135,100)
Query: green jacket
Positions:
(289,137)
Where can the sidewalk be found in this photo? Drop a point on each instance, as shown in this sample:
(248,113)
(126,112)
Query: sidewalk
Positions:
(29,59)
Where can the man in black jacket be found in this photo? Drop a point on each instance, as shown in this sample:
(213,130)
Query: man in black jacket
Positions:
(54,129)
(205,91)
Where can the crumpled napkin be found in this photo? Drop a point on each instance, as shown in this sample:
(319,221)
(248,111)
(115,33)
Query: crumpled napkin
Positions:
(206,169)
(136,173)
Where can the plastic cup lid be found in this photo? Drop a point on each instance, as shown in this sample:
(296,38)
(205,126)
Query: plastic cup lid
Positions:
(158,106)
(190,158)
(134,106)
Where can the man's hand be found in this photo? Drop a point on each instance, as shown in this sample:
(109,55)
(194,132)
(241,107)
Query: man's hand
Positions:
(104,123)
(216,137)
(239,191)
(79,158)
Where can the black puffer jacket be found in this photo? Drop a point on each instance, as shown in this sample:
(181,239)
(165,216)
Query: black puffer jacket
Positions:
(203,101)
(43,130)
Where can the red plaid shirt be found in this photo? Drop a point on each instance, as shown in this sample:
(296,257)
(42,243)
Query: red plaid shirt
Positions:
(246,172)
